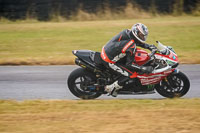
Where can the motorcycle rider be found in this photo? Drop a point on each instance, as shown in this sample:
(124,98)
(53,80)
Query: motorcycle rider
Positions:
(118,54)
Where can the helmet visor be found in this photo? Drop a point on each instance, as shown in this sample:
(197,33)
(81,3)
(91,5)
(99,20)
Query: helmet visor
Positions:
(142,36)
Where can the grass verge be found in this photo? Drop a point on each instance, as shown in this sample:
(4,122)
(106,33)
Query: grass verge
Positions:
(49,43)
(100,116)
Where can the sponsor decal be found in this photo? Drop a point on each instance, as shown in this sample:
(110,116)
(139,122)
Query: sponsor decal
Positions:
(103,55)
(158,56)
(149,81)
(174,57)
(153,76)
(120,38)
(83,66)
(118,57)
(170,62)
(127,45)
(167,72)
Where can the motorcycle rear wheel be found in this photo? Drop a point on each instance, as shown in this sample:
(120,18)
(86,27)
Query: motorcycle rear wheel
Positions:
(79,83)
(175,85)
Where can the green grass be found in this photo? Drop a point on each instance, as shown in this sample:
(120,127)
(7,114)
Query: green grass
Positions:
(101,116)
(52,42)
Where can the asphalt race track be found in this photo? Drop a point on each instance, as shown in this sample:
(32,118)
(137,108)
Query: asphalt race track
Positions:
(49,82)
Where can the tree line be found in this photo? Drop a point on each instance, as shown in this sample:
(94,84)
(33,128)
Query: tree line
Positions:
(45,9)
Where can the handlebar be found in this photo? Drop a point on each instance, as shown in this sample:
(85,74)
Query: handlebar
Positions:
(153,52)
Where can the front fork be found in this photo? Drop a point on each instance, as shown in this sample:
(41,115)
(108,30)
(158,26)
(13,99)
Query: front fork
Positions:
(170,82)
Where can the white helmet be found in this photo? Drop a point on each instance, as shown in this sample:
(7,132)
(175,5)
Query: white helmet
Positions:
(140,31)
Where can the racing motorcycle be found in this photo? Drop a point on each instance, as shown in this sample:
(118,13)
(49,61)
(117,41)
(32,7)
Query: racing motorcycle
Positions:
(89,81)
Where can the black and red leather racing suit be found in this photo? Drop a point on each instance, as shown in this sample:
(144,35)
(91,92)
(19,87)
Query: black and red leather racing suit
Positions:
(119,54)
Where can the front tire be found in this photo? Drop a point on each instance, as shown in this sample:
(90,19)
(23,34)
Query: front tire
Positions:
(175,85)
(81,84)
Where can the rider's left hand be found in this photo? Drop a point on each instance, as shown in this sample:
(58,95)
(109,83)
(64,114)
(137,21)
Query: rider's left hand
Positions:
(152,47)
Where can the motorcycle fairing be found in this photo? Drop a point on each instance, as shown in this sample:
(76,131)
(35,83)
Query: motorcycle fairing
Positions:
(141,56)
(170,58)
(157,75)
(85,55)
(154,78)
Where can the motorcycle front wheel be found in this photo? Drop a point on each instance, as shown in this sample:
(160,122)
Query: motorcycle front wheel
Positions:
(81,84)
(175,85)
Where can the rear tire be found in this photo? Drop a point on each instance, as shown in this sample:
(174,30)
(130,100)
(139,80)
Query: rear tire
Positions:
(176,85)
(79,82)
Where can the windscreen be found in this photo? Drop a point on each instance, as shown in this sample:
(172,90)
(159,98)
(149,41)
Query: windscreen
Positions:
(161,47)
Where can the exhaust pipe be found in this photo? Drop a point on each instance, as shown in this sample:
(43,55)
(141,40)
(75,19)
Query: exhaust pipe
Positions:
(84,65)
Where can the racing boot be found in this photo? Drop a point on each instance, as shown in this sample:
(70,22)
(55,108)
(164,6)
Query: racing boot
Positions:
(113,89)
